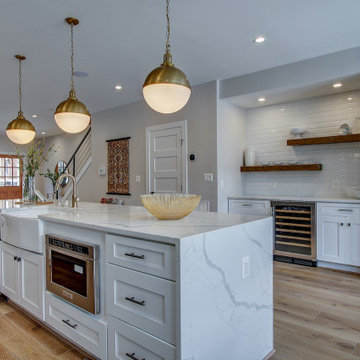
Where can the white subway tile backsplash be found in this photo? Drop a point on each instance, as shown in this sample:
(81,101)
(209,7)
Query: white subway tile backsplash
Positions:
(268,129)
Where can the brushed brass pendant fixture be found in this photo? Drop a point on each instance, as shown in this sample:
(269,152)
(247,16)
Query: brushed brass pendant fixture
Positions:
(167,89)
(20,131)
(72,116)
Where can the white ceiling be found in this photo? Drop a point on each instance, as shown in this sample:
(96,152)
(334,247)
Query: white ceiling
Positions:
(293,93)
(120,41)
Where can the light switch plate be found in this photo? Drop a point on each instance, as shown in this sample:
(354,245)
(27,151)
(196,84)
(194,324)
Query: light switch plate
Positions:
(245,267)
(208,177)
(102,170)
(137,178)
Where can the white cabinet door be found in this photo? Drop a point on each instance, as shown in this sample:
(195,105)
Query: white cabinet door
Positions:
(32,282)
(353,243)
(331,239)
(9,270)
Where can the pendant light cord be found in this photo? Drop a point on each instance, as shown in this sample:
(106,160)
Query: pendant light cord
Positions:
(20,87)
(72,60)
(168,27)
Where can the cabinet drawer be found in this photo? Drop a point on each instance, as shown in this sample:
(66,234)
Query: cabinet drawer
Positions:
(250,207)
(338,209)
(142,300)
(80,328)
(146,256)
(127,342)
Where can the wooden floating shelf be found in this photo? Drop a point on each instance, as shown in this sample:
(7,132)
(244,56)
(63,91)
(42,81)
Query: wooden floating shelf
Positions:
(325,140)
(300,167)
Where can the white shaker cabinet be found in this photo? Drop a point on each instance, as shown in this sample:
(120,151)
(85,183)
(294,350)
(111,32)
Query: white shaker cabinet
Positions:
(9,270)
(23,278)
(338,233)
(331,239)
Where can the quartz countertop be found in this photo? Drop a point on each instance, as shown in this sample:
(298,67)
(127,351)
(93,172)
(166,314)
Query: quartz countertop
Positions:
(138,222)
(297,198)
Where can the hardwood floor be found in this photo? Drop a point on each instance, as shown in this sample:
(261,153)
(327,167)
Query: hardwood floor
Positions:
(23,339)
(316,316)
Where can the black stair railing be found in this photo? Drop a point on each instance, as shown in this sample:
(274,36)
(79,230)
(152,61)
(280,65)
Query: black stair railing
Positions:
(72,160)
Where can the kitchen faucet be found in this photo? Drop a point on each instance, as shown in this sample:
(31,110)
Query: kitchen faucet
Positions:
(74,194)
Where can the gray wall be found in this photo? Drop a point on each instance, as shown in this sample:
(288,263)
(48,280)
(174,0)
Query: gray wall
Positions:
(131,120)
(231,142)
(6,146)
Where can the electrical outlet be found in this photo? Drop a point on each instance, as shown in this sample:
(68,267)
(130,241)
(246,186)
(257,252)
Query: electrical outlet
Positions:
(137,178)
(245,267)
(336,184)
(208,177)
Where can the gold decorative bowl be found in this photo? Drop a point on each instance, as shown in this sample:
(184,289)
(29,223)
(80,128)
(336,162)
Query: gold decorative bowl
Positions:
(170,206)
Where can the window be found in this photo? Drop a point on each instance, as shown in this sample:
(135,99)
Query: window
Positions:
(10,177)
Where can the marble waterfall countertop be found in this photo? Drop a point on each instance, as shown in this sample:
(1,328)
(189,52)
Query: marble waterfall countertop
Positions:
(138,222)
(343,200)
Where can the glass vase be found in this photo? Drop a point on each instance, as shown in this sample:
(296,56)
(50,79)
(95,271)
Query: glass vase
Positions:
(29,195)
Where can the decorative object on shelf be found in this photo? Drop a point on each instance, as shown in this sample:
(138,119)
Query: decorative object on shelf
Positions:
(167,89)
(292,162)
(344,129)
(265,163)
(250,157)
(172,206)
(118,166)
(337,139)
(297,132)
(32,156)
(72,116)
(298,167)
(278,163)
(20,131)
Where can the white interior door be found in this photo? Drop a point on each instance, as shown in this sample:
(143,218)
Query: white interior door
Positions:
(166,158)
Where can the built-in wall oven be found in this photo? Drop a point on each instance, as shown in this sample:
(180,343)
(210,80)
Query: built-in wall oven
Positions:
(73,272)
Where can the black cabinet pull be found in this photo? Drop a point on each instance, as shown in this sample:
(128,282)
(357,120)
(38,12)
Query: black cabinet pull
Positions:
(67,322)
(341,224)
(15,258)
(135,256)
(18,259)
(132,299)
(349,224)
(132,356)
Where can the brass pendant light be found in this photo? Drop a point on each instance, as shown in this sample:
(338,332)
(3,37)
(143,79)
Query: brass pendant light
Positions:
(20,131)
(71,115)
(167,89)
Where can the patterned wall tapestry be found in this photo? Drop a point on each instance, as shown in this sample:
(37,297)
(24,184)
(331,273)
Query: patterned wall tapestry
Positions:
(118,166)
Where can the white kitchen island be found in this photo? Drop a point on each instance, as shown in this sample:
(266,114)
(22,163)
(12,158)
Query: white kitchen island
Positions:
(206,282)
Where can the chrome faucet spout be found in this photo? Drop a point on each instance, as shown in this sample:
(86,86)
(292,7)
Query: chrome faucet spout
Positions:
(74,194)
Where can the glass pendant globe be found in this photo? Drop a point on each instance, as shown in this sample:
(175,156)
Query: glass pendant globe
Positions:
(20,137)
(166,89)
(72,122)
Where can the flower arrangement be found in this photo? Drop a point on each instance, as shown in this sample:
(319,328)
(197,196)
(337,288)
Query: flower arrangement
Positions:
(32,156)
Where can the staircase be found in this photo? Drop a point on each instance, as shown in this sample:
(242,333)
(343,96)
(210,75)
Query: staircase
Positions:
(79,162)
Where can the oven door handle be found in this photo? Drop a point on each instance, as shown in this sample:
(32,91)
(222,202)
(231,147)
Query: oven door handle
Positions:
(67,322)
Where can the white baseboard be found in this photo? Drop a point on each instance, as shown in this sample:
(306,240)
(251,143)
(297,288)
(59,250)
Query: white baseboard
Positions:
(329,265)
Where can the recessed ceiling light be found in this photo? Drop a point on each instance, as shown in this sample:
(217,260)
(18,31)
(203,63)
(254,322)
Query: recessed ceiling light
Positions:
(282,109)
(259,39)
(43,133)
(261,99)
(34,116)
(337,85)
(118,87)
(349,98)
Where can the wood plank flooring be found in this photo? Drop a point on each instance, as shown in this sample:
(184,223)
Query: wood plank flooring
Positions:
(316,316)
(23,339)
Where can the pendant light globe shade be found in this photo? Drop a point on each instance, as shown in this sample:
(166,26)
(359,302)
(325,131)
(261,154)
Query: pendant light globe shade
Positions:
(166,89)
(72,116)
(20,131)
